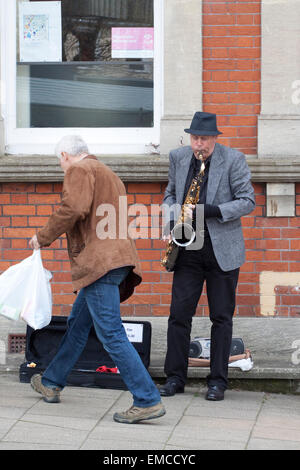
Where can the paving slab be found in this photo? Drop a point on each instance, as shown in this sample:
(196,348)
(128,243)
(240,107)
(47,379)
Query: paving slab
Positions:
(210,445)
(276,433)
(113,444)
(44,434)
(271,444)
(31,446)
(83,424)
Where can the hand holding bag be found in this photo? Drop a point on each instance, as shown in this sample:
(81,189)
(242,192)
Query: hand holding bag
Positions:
(25,292)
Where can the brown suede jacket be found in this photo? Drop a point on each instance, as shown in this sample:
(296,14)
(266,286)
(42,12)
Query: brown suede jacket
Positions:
(88,186)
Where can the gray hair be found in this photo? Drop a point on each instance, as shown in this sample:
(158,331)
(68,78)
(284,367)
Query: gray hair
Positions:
(72,144)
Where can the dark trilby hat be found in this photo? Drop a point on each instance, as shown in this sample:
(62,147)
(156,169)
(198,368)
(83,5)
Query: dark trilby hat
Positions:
(203,124)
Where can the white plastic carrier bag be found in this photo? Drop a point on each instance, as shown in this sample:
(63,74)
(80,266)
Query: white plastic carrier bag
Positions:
(25,292)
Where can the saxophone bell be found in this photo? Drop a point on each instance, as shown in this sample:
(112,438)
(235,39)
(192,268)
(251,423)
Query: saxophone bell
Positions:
(183,234)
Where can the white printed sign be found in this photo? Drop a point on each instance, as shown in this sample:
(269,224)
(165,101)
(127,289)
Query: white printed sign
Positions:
(134,332)
(40,32)
(132,43)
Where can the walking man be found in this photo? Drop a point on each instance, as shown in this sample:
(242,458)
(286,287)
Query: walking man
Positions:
(104,271)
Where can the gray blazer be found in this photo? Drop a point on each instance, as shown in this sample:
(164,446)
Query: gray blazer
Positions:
(229,187)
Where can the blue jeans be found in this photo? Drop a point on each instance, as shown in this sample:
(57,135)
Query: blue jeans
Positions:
(99,304)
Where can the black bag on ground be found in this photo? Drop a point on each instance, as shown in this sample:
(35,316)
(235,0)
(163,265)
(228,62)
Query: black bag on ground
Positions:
(42,345)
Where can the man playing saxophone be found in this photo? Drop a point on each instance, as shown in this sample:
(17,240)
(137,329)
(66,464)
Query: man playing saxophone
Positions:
(225,194)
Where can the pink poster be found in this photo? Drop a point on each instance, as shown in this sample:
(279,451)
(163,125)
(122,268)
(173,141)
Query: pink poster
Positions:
(132,43)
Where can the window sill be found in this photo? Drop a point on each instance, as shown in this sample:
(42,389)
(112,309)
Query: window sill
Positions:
(142,168)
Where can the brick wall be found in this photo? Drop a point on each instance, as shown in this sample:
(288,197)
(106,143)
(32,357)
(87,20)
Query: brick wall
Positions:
(272,245)
(231,88)
(231,69)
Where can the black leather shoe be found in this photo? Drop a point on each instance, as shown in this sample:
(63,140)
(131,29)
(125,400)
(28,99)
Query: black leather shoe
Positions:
(214,393)
(170,388)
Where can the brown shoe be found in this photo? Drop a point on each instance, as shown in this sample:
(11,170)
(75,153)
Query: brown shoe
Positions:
(50,395)
(136,414)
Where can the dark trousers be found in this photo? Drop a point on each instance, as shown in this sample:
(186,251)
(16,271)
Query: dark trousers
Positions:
(193,267)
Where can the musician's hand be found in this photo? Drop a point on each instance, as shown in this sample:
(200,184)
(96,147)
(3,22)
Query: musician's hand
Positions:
(188,211)
(34,244)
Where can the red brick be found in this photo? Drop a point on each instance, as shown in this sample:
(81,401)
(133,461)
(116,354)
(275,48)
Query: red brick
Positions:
(272,255)
(290,233)
(19,221)
(272,266)
(212,42)
(272,222)
(295,244)
(253,233)
(142,310)
(37,221)
(249,7)
(127,310)
(246,311)
(143,288)
(44,198)
(214,31)
(52,265)
(273,244)
(218,64)
(5,221)
(5,198)
(238,75)
(63,299)
(18,232)
(220,109)
(242,120)
(245,19)
(161,311)
(151,277)
(140,188)
(218,19)
(243,30)
(57,187)
(253,255)
(19,198)
(18,210)
(61,254)
(143,243)
(62,277)
(44,187)
(18,187)
(61,288)
(162,288)
(44,210)
(294,267)
(19,243)
(215,98)
(16,254)
(290,300)
(291,255)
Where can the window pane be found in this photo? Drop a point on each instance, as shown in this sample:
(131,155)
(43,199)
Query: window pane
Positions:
(96,84)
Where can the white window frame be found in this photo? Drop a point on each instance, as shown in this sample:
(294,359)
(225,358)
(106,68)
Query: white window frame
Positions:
(41,141)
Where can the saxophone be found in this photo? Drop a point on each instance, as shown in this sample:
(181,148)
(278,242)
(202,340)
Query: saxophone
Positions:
(184,224)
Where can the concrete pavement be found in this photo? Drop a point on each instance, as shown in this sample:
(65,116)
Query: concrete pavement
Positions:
(83,420)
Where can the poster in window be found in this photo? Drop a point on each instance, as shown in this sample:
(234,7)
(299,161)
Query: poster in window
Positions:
(132,43)
(40,32)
